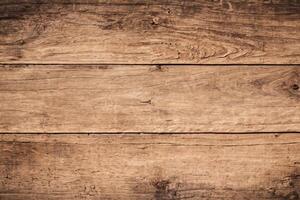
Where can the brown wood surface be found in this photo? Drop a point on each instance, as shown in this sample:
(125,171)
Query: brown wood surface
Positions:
(150,167)
(102,98)
(154,31)
(190,99)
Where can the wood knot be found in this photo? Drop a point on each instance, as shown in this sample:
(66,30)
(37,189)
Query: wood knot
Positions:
(155,21)
(291,84)
(295,87)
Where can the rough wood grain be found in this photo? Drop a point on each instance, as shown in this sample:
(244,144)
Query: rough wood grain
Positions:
(154,31)
(150,167)
(136,98)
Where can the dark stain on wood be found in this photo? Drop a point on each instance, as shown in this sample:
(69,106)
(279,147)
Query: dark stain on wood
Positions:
(291,184)
(96,166)
(164,191)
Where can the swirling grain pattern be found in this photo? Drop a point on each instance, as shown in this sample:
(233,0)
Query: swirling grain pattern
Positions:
(150,32)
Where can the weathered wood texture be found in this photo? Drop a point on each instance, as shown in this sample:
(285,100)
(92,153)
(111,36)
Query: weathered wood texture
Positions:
(149,99)
(157,167)
(154,31)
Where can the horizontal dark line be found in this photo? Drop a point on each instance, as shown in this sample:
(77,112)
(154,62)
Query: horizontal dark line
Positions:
(159,64)
(154,133)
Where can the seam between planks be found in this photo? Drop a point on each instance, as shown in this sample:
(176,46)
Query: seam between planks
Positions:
(154,133)
(141,64)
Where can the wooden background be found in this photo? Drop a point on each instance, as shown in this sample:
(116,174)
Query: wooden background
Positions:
(149,99)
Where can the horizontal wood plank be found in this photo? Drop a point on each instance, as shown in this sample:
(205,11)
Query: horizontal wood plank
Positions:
(105,98)
(150,32)
(150,167)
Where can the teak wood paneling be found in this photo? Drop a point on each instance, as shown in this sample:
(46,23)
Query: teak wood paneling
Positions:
(150,167)
(155,31)
(105,98)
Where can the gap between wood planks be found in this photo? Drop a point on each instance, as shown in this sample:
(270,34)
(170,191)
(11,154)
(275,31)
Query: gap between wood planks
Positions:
(141,64)
(277,133)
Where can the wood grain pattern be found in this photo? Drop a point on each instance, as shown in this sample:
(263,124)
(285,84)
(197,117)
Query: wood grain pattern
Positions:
(103,98)
(119,68)
(150,167)
(150,32)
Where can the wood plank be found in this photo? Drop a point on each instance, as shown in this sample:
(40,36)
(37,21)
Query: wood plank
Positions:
(150,167)
(150,32)
(101,98)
